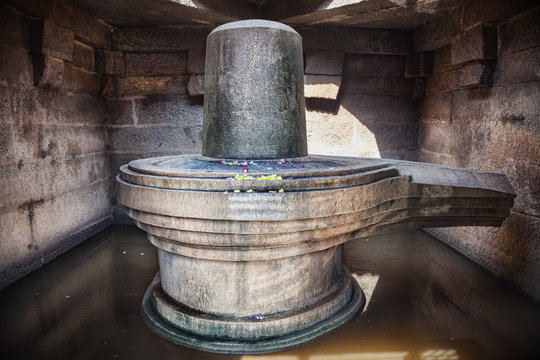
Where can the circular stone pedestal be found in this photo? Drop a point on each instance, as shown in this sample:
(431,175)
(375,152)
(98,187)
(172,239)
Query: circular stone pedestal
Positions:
(251,262)
(159,311)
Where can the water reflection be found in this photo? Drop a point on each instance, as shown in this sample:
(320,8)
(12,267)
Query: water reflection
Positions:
(425,302)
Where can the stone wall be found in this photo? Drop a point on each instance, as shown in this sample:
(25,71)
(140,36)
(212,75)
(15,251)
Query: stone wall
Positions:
(359,100)
(481,111)
(54,191)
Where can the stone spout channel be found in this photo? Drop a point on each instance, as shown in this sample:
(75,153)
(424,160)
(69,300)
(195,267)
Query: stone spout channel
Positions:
(250,233)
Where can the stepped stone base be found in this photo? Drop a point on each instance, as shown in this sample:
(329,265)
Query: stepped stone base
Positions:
(156,304)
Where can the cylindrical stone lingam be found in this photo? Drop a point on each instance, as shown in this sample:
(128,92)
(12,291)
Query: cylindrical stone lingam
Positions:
(250,251)
(254,92)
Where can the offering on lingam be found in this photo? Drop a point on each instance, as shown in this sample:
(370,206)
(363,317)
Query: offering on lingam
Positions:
(250,233)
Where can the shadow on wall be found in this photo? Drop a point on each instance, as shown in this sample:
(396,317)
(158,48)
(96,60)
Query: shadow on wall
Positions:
(374,113)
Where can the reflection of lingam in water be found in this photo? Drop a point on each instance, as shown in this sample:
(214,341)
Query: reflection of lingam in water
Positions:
(250,233)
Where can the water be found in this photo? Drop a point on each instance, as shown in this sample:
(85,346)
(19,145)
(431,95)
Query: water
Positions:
(425,302)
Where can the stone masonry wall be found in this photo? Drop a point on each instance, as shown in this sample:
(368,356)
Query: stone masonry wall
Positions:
(481,111)
(359,99)
(54,190)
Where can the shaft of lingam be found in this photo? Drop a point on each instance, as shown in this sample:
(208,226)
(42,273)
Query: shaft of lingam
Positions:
(254,92)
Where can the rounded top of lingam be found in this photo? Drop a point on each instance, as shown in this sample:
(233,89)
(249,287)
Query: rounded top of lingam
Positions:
(254,23)
(254,92)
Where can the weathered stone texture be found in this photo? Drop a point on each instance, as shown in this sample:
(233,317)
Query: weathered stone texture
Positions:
(437,34)
(518,67)
(80,81)
(491,128)
(374,85)
(83,56)
(165,138)
(366,41)
(161,38)
(520,34)
(478,43)
(109,62)
(150,85)
(493,11)
(419,65)
(196,61)
(324,63)
(15,65)
(195,85)
(13,27)
(374,65)
(48,71)
(322,86)
(87,27)
(177,110)
(48,38)
(475,75)
(156,63)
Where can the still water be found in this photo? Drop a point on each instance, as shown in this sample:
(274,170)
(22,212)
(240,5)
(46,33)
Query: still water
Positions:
(424,301)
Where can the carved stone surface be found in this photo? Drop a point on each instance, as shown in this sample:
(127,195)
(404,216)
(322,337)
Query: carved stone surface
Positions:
(250,249)
(254,103)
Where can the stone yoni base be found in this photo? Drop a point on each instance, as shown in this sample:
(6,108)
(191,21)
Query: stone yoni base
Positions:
(178,323)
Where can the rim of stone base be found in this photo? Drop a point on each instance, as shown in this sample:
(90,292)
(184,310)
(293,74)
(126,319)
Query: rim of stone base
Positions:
(228,346)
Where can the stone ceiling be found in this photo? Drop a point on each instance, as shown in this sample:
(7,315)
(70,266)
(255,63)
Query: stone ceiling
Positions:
(385,14)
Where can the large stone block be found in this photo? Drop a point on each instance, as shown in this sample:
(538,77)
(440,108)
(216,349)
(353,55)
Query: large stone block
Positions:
(13,27)
(476,75)
(15,65)
(93,31)
(520,34)
(35,142)
(48,38)
(80,81)
(477,43)
(437,33)
(322,86)
(150,85)
(373,85)
(154,138)
(109,62)
(69,213)
(324,62)
(156,63)
(514,105)
(374,65)
(47,178)
(366,41)
(179,110)
(457,138)
(196,61)
(48,71)
(177,38)
(517,67)
(369,109)
(83,56)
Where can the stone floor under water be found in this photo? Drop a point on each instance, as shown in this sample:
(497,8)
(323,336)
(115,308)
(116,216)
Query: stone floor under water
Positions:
(424,301)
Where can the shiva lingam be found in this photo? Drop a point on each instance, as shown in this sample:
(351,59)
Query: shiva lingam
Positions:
(250,233)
